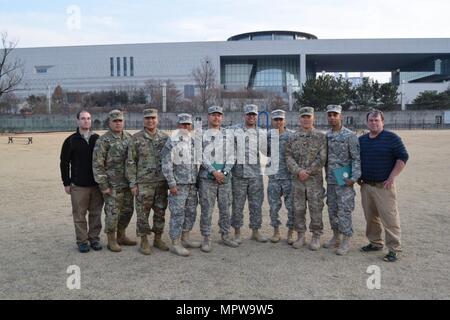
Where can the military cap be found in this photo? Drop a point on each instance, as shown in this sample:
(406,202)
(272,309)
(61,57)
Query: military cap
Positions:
(278,114)
(307,111)
(334,108)
(150,113)
(115,115)
(251,108)
(215,109)
(184,118)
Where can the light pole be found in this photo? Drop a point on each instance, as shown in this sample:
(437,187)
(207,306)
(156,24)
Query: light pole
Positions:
(164,96)
(402,100)
(49,98)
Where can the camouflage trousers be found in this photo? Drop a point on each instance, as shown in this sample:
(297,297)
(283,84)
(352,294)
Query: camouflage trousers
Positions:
(308,194)
(183,210)
(277,189)
(151,196)
(253,189)
(209,192)
(118,209)
(341,203)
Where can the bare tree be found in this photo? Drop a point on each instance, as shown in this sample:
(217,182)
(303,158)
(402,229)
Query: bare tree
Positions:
(205,79)
(11,72)
(153,87)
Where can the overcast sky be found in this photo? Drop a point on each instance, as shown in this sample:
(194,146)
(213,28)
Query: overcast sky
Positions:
(56,23)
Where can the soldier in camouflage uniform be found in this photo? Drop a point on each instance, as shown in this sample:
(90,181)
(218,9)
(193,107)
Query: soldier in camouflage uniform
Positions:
(215,178)
(108,165)
(280,182)
(306,155)
(180,169)
(343,150)
(247,181)
(147,182)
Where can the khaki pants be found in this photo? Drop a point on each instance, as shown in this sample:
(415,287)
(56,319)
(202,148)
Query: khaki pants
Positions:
(380,209)
(86,199)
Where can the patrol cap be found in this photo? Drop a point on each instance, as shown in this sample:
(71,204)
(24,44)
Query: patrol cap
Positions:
(334,108)
(278,114)
(251,108)
(307,111)
(215,109)
(115,115)
(184,118)
(150,113)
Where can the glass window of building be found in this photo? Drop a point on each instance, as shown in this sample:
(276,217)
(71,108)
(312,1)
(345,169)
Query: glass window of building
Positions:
(262,37)
(266,73)
(124,66)
(111,66)
(118,66)
(132,66)
(283,37)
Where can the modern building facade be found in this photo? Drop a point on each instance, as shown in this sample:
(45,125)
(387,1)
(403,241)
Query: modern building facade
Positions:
(277,61)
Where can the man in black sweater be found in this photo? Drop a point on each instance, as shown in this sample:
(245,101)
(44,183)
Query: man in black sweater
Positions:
(79,183)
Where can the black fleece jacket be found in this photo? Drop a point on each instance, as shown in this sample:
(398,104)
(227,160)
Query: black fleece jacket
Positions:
(76,160)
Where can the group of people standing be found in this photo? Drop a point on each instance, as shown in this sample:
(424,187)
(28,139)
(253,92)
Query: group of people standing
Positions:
(152,171)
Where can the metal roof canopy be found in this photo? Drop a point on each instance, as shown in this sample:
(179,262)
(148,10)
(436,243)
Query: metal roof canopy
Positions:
(373,62)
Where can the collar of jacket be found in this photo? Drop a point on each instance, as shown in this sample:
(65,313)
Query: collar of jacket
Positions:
(116,136)
(147,135)
(78,134)
(331,132)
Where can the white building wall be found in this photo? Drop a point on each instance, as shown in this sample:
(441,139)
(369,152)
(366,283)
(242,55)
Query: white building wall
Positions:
(87,68)
(412,90)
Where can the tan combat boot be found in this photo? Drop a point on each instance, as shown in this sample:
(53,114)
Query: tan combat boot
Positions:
(226,240)
(145,246)
(334,242)
(300,241)
(159,243)
(188,243)
(314,245)
(276,235)
(344,247)
(123,240)
(178,249)
(237,235)
(258,236)
(112,243)
(206,244)
(290,236)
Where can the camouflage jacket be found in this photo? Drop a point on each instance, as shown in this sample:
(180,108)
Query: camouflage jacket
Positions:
(248,160)
(217,140)
(307,151)
(282,172)
(178,161)
(144,158)
(108,161)
(343,150)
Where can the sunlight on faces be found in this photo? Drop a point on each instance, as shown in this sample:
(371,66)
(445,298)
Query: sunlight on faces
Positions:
(84,121)
(116,125)
(375,123)
(278,123)
(150,123)
(334,119)
(250,119)
(306,122)
(184,127)
(215,119)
